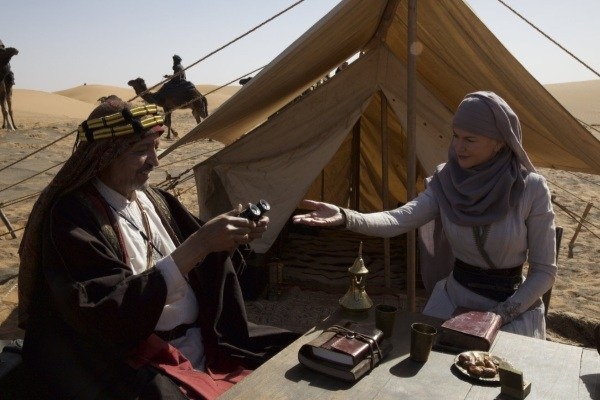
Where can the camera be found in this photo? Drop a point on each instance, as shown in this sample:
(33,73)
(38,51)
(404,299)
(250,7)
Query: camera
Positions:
(255,211)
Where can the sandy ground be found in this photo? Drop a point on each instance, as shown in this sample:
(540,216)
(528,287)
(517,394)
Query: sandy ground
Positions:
(43,118)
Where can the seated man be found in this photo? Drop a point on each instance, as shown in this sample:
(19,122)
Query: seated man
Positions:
(122,292)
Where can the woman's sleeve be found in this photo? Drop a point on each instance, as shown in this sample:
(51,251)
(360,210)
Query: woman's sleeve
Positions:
(541,242)
(395,222)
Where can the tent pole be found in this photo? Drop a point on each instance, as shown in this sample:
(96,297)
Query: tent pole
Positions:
(355,160)
(323,185)
(385,187)
(411,159)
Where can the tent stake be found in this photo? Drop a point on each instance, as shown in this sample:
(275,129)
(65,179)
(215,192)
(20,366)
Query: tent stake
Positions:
(572,242)
(8,225)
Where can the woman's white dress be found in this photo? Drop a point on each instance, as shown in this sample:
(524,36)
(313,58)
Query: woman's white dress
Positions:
(526,234)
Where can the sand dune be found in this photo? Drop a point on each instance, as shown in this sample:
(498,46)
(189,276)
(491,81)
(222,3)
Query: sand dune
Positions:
(582,99)
(29,103)
(92,93)
(78,102)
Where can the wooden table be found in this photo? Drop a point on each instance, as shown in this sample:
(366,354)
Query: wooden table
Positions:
(556,371)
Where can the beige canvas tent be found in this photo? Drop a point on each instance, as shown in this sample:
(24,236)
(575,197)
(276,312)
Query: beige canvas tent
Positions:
(329,142)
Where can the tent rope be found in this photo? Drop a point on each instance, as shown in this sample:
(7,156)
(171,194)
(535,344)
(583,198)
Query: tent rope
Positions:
(20,199)
(187,189)
(576,218)
(178,73)
(583,178)
(37,151)
(549,38)
(184,105)
(33,176)
(162,166)
(591,127)
(75,131)
(222,47)
(171,183)
(571,193)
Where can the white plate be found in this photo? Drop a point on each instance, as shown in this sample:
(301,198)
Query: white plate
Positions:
(497,360)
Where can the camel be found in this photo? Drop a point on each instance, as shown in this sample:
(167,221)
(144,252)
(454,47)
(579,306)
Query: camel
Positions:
(172,96)
(109,97)
(7,80)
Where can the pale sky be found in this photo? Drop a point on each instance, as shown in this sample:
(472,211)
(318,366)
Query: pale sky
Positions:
(65,43)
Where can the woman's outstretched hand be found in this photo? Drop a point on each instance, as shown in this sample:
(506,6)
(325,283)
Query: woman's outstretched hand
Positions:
(323,214)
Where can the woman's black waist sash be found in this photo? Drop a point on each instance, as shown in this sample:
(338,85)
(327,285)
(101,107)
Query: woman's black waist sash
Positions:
(495,284)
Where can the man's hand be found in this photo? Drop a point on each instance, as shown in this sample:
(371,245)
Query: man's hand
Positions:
(227,231)
(224,232)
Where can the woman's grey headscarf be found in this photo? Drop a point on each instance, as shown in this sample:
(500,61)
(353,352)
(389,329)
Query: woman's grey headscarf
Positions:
(485,193)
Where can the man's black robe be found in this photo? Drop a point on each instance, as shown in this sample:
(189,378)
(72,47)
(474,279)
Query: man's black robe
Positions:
(90,311)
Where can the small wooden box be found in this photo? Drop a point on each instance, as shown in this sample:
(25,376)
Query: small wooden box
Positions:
(512,383)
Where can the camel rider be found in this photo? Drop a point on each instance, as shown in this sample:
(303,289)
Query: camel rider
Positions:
(178,71)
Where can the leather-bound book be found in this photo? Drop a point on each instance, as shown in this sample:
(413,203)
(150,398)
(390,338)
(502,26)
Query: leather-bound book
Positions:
(346,345)
(470,329)
(345,352)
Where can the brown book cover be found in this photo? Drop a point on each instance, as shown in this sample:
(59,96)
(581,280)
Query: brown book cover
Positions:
(346,344)
(471,329)
(350,373)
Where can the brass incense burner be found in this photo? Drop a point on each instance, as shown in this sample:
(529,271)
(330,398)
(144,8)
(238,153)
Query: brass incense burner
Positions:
(356,298)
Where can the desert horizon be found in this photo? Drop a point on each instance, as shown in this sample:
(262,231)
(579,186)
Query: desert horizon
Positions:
(580,98)
(43,117)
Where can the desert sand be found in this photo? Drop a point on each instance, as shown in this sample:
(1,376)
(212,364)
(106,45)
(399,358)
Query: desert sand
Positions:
(44,117)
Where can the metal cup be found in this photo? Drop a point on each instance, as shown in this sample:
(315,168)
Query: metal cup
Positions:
(385,315)
(421,341)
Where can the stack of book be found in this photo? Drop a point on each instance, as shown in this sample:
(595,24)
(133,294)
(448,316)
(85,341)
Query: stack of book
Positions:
(346,352)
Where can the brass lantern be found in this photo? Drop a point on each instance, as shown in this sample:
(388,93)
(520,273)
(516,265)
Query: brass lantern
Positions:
(356,298)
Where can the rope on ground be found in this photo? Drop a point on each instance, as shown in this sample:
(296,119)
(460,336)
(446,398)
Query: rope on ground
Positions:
(171,183)
(185,159)
(582,178)
(37,151)
(10,232)
(571,193)
(19,199)
(576,218)
(187,190)
(32,176)
(591,127)
(549,38)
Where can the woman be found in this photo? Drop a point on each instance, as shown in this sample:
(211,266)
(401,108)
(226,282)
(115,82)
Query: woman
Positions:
(496,214)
